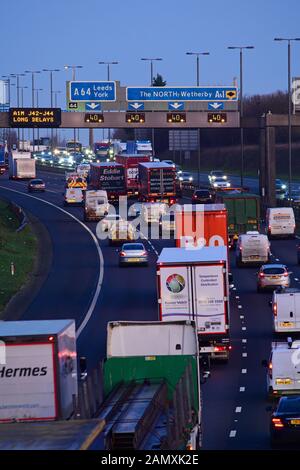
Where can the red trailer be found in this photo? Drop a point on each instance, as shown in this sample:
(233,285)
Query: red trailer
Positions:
(157,182)
(131,165)
(110,177)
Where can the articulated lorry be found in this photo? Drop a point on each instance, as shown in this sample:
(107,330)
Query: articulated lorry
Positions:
(193,285)
(243,213)
(109,177)
(21,166)
(131,165)
(38,370)
(151,386)
(157,182)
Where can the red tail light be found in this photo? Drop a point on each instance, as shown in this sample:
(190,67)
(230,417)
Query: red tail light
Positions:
(270,369)
(219,348)
(261,275)
(277,423)
(144,253)
(286,274)
(122,253)
(275,309)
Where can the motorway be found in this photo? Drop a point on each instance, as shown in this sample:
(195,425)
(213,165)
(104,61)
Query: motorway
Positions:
(86,283)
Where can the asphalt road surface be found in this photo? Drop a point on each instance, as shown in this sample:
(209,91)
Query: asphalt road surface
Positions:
(87,284)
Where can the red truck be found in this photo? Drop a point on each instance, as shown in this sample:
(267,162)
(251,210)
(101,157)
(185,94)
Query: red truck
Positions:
(131,165)
(201,225)
(109,176)
(157,182)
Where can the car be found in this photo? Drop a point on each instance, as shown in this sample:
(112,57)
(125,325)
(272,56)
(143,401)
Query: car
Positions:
(285,422)
(133,253)
(185,177)
(216,174)
(280,187)
(108,221)
(271,276)
(220,183)
(169,162)
(203,196)
(36,185)
(294,197)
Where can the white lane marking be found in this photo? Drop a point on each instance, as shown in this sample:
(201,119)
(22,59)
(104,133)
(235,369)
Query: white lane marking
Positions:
(232,433)
(297,236)
(244,340)
(244,371)
(234,288)
(244,328)
(242,317)
(237,296)
(245,355)
(239,306)
(276,259)
(101,259)
(238,409)
(296,279)
(242,389)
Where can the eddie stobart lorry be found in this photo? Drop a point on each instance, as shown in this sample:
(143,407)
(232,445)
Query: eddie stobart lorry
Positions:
(109,177)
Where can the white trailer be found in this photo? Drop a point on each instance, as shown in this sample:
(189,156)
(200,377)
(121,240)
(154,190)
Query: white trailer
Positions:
(21,166)
(193,285)
(38,370)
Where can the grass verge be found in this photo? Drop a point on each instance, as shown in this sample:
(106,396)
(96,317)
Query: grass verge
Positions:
(19,248)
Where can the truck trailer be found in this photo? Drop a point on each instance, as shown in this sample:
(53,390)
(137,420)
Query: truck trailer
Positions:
(38,370)
(21,166)
(110,177)
(131,165)
(157,182)
(151,387)
(193,285)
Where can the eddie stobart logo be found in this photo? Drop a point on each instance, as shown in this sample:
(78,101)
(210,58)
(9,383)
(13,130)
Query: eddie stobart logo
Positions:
(8,372)
(175,283)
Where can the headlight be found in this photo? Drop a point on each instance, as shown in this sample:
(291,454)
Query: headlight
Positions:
(43,153)
(224,177)
(180,178)
(213,178)
(215,185)
(43,159)
(283,186)
(179,172)
(228,185)
(56,152)
(51,161)
(191,178)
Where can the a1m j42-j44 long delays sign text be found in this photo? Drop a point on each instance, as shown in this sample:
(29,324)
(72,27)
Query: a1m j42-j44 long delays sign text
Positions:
(34,117)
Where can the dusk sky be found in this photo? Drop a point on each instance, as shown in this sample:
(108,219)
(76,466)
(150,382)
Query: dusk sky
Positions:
(48,34)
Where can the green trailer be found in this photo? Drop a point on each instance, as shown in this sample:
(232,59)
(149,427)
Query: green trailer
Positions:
(243,213)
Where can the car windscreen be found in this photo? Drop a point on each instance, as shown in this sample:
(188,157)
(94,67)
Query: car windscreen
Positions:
(202,194)
(37,182)
(134,246)
(270,271)
(292,405)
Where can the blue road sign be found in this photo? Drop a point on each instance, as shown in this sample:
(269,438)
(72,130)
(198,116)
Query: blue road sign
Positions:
(176,106)
(213,93)
(136,106)
(215,106)
(92,91)
(93,107)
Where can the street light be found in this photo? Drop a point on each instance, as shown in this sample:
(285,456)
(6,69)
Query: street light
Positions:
(73,68)
(197,54)
(108,78)
(22,88)
(17,76)
(51,71)
(55,93)
(33,72)
(241,49)
(289,40)
(151,60)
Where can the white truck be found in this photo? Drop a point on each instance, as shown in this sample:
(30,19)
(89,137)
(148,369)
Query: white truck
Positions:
(96,204)
(21,166)
(193,285)
(38,370)
(286,310)
(152,386)
(252,248)
(283,369)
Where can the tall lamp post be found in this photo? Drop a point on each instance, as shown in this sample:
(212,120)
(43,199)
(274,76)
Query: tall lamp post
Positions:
(197,54)
(17,76)
(22,88)
(32,72)
(55,93)
(241,49)
(51,71)
(151,60)
(289,41)
(73,68)
(8,84)
(108,64)
(37,90)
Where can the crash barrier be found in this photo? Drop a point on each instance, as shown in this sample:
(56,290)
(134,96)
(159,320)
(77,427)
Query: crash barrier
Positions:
(20,214)
(90,394)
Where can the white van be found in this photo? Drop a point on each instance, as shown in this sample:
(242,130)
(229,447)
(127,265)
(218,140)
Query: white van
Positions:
(283,376)
(252,248)
(286,310)
(280,222)
(96,205)
(73,196)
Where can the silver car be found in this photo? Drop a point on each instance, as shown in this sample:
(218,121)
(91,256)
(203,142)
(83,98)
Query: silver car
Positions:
(133,253)
(271,276)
